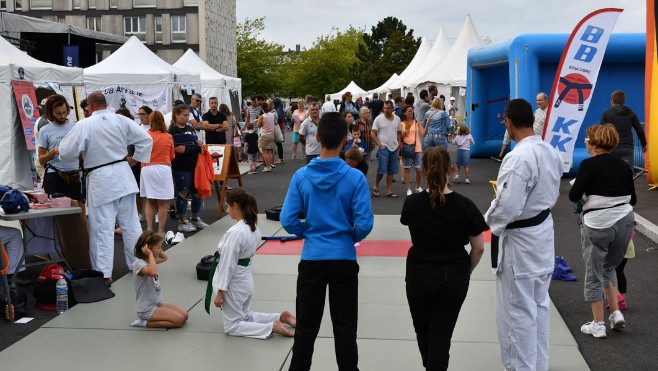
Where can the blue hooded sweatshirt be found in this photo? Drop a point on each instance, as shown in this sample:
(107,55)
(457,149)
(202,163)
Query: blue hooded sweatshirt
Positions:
(336,201)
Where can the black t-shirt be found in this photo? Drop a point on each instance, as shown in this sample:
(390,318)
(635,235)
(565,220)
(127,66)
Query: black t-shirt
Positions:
(251,139)
(184,161)
(215,137)
(376,107)
(439,235)
(603,175)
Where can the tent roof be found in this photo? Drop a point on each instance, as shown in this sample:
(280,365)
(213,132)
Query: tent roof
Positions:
(385,86)
(133,63)
(209,77)
(452,69)
(439,50)
(11,59)
(353,88)
(422,56)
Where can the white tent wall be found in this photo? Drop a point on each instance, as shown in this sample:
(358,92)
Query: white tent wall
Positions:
(353,88)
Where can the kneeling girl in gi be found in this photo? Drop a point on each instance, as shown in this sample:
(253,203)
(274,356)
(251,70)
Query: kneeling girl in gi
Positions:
(233,281)
(151,310)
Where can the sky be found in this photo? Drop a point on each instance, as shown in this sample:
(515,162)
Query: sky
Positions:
(298,22)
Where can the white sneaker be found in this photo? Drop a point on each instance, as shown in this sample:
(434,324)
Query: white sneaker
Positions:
(156,218)
(409,192)
(169,236)
(595,329)
(198,223)
(456,180)
(617,321)
(467,181)
(419,189)
(178,238)
(141,217)
(186,227)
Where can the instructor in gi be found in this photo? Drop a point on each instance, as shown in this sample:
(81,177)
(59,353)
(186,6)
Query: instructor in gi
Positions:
(102,139)
(528,187)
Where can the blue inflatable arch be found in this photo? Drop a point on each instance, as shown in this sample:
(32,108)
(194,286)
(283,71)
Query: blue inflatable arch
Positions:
(526,65)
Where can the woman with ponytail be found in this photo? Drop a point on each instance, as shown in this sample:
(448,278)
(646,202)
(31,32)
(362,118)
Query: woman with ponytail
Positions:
(441,222)
(232,281)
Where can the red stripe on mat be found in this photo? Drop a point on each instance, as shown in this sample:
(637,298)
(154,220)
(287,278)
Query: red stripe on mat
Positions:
(367,248)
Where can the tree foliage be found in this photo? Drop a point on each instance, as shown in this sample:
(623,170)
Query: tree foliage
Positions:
(388,49)
(259,62)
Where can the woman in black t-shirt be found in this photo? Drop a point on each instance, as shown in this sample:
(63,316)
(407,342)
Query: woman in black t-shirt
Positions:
(441,223)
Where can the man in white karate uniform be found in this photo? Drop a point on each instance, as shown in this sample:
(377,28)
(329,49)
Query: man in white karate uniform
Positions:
(528,187)
(102,139)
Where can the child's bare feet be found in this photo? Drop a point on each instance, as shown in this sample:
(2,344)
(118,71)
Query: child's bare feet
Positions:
(288,318)
(280,329)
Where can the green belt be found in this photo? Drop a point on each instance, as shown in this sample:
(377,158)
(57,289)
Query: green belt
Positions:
(241,262)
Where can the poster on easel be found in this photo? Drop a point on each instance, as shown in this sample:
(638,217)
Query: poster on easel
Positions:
(26,102)
(225,165)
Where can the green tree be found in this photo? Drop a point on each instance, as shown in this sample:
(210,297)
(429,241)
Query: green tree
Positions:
(388,49)
(259,62)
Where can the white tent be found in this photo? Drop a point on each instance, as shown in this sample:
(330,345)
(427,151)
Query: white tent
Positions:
(451,70)
(15,160)
(385,86)
(134,75)
(353,88)
(213,83)
(422,55)
(433,57)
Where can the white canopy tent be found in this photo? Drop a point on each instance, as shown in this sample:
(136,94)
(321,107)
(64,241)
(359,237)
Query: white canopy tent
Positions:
(353,88)
(431,59)
(15,159)
(140,76)
(385,86)
(213,83)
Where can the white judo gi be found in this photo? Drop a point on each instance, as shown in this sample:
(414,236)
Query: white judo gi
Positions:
(101,139)
(239,242)
(528,183)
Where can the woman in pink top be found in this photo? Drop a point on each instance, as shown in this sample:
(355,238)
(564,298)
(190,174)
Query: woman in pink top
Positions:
(297,118)
(410,136)
(156,183)
(266,141)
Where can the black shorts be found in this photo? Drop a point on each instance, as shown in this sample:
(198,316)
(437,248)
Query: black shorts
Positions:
(54,184)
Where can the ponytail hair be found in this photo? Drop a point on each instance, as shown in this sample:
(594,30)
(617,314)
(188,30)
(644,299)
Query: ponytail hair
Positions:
(149,238)
(247,205)
(435,166)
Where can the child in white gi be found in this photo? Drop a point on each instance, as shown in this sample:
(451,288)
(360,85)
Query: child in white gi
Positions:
(233,279)
(151,310)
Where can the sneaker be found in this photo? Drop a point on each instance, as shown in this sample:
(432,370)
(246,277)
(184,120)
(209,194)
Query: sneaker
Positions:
(467,181)
(419,189)
(456,179)
(138,323)
(141,217)
(559,260)
(198,223)
(178,238)
(186,226)
(560,274)
(617,321)
(409,193)
(497,158)
(595,329)
(156,218)
(169,236)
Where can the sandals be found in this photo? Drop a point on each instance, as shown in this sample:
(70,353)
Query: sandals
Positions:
(391,195)
(375,192)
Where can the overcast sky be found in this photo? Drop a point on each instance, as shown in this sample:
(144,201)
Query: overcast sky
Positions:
(301,21)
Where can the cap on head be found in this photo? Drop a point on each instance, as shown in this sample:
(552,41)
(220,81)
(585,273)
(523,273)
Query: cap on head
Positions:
(452,98)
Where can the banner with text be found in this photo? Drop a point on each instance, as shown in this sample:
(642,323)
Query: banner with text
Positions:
(26,102)
(120,96)
(575,81)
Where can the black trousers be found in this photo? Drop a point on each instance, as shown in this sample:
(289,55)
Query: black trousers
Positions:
(342,277)
(621,277)
(435,295)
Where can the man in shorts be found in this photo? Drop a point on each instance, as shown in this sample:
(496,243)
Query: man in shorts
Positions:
(386,133)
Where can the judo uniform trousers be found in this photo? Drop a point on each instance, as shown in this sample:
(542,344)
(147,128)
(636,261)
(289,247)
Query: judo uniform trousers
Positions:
(528,183)
(237,282)
(103,138)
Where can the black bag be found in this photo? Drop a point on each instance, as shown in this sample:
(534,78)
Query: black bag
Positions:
(203,268)
(18,301)
(408,150)
(88,286)
(273,213)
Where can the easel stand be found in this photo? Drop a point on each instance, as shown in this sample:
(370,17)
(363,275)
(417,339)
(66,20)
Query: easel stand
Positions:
(229,170)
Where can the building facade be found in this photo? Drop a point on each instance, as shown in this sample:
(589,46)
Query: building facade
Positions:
(167,27)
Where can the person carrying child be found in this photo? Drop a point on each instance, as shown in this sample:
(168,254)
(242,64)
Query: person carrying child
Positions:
(463,140)
(233,281)
(151,310)
(251,147)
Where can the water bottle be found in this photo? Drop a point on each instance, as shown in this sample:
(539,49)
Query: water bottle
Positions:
(62,290)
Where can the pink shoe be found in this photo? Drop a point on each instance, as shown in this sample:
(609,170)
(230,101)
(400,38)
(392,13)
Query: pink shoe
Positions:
(621,301)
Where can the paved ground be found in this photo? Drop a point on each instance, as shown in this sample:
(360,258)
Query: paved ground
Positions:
(630,349)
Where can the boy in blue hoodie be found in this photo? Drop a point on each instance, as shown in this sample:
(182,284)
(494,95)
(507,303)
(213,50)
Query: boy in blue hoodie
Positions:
(336,201)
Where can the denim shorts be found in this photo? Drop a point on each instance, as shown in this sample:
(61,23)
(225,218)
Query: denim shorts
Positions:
(432,141)
(409,162)
(295,137)
(463,157)
(388,161)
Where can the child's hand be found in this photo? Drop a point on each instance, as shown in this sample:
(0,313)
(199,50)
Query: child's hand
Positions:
(146,250)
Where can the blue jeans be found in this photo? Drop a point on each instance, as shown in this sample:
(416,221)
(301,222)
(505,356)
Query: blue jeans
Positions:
(184,182)
(433,141)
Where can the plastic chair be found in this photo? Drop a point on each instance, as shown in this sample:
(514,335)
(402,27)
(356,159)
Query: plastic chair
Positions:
(494,185)
(5,289)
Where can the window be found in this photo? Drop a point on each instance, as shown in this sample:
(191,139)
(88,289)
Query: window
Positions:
(18,5)
(135,26)
(143,3)
(92,4)
(61,19)
(178,29)
(41,4)
(94,23)
(76,4)
(3,5)
(158,29)
(114,4)
(190,2)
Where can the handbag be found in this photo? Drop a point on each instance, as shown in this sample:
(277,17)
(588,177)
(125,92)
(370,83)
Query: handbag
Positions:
(409,150)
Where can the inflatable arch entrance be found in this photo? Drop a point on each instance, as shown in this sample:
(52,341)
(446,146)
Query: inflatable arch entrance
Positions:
(526,65)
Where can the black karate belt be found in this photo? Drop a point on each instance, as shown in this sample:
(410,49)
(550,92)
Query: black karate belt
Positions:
(525,223)
(241,262)
(85,173)
(568,86)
